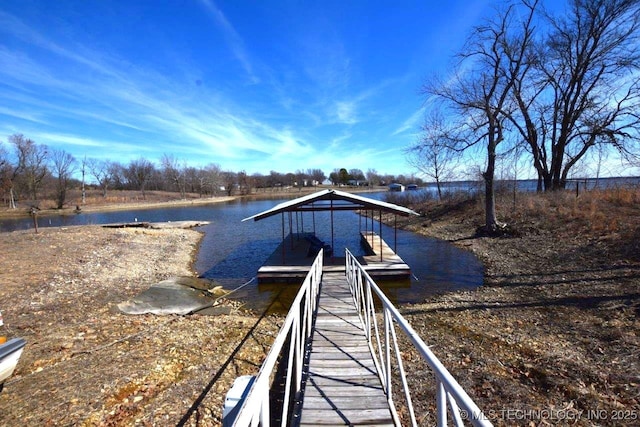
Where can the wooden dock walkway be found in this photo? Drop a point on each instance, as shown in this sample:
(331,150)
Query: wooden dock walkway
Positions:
(342,387)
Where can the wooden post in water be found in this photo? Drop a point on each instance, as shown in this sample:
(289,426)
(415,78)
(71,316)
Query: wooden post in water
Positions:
(313,217)
(333,245)
(395,233)
(291,229)
(282,238)
(34,215)
(380,231)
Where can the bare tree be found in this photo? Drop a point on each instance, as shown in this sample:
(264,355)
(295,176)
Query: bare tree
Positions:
(102,171)
(32,163)
(7,175)
(275,179)
(300,178)
(14,169)
(174,173)
(582,88)
(229,180)
(373,177)
(316,175)
(334,177)
(138,174)
(213,177)
(63,166)
(84,173)
(479,93)
(244,185)
(435,154)
(117,177)
(356,174)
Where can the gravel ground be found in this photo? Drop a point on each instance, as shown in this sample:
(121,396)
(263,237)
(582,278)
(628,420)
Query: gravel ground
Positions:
(553,336)
(86,363)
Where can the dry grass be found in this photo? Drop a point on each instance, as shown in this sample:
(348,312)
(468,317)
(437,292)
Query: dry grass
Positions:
(556,326)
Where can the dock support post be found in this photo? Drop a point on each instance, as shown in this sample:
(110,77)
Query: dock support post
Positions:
(380,232)
(283,263)
(395,233)
(291,229)
(333,245)
(313,217)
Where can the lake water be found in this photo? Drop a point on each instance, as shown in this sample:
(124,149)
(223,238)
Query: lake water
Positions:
(232,251)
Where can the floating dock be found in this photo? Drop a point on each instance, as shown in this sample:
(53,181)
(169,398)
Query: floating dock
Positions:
(290,261)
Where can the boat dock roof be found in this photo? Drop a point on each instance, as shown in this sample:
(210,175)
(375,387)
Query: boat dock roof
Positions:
(328,200)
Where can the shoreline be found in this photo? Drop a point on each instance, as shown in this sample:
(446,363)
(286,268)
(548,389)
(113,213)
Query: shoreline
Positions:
(167,201)
(21,213)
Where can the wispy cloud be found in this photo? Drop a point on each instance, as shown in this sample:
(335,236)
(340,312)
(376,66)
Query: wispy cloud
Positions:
(91,101)
(22,115)
(235,42)
(128,97)
(345,112)
(411,123)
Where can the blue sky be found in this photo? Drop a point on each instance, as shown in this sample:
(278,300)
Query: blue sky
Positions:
(254,86)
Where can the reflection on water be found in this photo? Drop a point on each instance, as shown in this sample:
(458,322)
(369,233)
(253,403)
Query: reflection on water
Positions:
(232,251)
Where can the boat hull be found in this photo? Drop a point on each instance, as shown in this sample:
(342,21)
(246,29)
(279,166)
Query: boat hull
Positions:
(10,353)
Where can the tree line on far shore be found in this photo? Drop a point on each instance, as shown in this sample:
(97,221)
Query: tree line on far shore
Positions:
(30,171)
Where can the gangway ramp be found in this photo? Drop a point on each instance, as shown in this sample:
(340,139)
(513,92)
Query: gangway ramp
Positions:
(342,384)
(337,358)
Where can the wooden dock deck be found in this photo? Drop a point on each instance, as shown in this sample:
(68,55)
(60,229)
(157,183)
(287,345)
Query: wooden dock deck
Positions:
(383,261)
(289,262)
(342,386)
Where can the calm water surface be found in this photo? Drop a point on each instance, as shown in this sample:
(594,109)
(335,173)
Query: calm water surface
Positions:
(232,251)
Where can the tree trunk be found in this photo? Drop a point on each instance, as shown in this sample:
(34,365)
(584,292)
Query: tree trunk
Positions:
(540,186)
(491,223)
(12,199)
(62,196)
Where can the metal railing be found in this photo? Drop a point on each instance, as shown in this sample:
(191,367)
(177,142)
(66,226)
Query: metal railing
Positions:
(450,396)
(296,330)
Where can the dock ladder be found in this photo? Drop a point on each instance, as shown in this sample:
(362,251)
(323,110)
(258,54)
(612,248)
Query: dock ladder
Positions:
(337,361)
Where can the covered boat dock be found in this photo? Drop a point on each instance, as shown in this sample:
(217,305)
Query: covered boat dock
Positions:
(293,257)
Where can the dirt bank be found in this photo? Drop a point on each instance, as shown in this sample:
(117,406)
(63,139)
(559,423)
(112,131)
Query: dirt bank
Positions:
(86,363)
(554,332)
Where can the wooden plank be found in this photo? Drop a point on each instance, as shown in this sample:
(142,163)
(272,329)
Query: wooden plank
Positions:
(321,402)
(353,417)
(343,386)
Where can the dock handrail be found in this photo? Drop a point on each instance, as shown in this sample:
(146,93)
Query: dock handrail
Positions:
(296,330)
(449,394)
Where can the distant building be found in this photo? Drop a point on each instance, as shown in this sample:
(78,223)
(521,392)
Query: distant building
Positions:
(411,187)
(396,187)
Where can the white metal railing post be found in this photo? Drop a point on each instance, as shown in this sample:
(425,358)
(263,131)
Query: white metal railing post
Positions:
(387,353)
(405,384)
(255,409)
(450,396)
(441,404)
